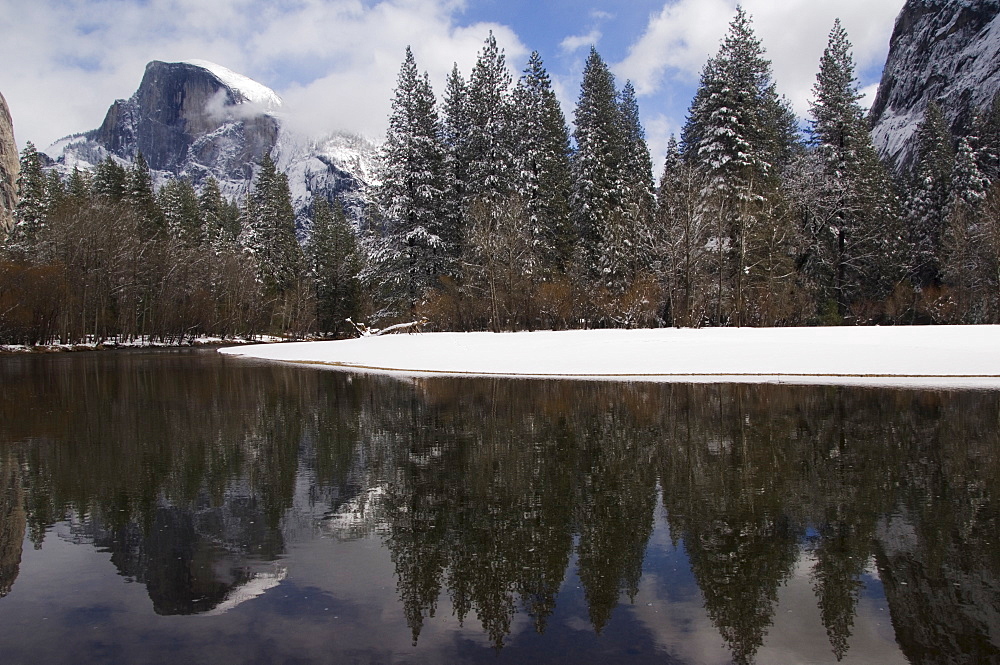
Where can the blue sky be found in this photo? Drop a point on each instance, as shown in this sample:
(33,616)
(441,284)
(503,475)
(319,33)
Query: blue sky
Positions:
(335,61)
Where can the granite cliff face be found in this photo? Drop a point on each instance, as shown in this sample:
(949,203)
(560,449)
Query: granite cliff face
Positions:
(197,119)
(10,166)
(943,50)
(189,120)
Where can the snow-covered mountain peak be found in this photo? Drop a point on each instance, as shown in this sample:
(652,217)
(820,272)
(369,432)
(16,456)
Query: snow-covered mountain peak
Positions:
(250,90)
(195,119)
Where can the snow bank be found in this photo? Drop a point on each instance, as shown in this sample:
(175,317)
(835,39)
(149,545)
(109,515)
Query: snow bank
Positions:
(945,356)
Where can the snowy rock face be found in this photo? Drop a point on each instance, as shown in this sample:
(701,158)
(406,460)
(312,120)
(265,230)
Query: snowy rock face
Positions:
(9,168)
(944,50)
(186,121)
(197,119)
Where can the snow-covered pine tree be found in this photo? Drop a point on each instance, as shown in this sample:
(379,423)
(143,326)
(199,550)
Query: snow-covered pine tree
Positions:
(739,134)
(966,264)
(598,197)
(32,207)
(109,181)
(418,246)
(55,190)
(850,214)
(490,156)
(268,230)
(928,195)
(334,262)
(638,166)
(182,215)
(968,183)
(542,155)
(455,137)
(727,133)
(635,232)
(986,142)
(140,198)
(683,240)
(220,218)
(79,185)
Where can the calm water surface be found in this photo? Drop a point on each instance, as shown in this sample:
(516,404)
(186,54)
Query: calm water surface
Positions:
(181,506)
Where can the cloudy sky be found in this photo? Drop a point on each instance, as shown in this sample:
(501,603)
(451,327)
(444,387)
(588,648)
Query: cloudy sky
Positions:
(335,62)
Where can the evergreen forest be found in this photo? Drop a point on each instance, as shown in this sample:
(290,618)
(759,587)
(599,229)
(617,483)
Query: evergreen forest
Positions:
(495,213)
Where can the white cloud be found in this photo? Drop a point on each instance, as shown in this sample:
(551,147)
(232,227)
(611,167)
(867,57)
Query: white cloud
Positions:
(868,94)
(685,33)
(576,42)
(333,61)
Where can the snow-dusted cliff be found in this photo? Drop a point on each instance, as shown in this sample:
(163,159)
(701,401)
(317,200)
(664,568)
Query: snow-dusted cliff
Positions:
(9,168)
(944,50)
(196,119)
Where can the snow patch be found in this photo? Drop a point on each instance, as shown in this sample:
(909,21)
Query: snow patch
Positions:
(931,356)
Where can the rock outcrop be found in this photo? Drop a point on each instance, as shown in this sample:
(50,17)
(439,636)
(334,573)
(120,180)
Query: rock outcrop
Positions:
(197,119)
(943,50)
(9,167)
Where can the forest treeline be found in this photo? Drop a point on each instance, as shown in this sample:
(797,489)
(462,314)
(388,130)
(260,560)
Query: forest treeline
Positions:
(492,214)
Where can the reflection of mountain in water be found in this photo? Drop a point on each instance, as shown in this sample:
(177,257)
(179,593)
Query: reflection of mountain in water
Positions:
(194,561)
(12,522)
(943,590)
(485,491)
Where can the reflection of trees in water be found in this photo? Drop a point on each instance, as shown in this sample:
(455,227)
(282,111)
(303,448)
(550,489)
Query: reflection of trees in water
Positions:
(726,471)
(182,470)
(753,477)
(484,490)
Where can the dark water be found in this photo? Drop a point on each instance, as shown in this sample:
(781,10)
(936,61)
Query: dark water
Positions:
(186,507)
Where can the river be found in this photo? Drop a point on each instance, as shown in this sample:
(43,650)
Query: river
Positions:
(182,506)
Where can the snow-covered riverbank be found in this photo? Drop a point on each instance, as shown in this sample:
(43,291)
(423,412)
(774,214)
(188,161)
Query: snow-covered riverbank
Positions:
(947,356)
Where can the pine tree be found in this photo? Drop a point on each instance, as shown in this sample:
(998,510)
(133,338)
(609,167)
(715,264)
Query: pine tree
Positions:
(55,190)
(490,145)
(637,185)
(597,198)
(110,181)
(455,137)
(728,132)
(334,262)
(542,160)
(928,195)
(966,263)
(32,206)
(80,186)
(987,140)
(849,224)
(683,237)
(418,247)
(178,203)
(637,167)
(739,135)
(211,206)
(268,230)
(968,183)
(140,197)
